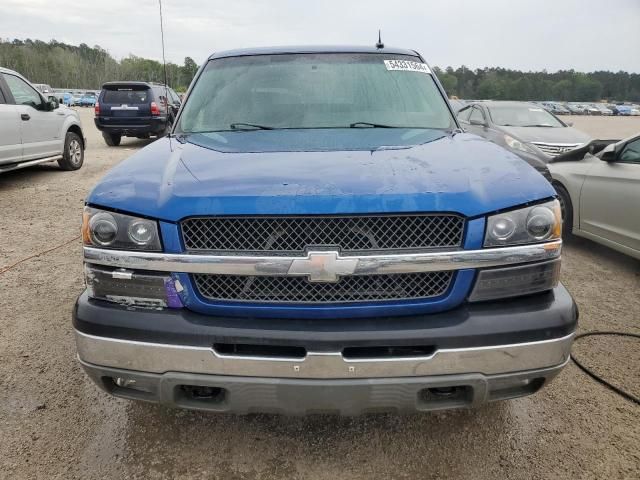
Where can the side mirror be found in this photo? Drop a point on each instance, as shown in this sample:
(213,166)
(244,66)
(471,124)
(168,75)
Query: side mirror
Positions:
(51,104)
(479,123)
(569,124)
(609,153)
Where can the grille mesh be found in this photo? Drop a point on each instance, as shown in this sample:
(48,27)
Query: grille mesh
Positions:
(358,288)
(554,150)
(292,235)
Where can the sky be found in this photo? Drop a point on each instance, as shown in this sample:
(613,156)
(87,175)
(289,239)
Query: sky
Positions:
(584,35)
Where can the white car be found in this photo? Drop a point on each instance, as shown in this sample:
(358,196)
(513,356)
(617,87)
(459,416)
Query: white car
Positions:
(34,129)
(600,193)
(44,89)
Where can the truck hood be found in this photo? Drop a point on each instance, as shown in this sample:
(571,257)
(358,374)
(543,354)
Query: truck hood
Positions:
(548,134)
(320,172)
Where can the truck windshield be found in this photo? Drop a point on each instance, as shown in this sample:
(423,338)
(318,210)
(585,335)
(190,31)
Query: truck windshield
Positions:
(307,91)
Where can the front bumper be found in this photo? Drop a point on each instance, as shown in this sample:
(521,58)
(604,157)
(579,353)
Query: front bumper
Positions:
(243,395)
(161,358)
(480,352)
(142,126)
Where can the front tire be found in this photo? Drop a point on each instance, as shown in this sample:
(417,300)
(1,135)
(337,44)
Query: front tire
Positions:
(73,155)
(566,206)
(111,139)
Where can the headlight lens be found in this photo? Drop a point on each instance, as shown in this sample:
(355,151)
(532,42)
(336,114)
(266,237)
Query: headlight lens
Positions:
(103,229)
(142,232)
(526,225)
(116,230)
(540,223)
(503,229)
(517,144)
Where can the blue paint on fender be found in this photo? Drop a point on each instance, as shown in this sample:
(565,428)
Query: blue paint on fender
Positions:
(321,172)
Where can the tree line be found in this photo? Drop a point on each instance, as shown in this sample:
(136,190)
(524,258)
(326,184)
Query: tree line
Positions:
(83,67)
(564,85)
(69,66)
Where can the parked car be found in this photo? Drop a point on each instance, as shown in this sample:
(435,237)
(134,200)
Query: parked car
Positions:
(67,99)
(88,100)
(135,109)
(604,110)
(34,129)
(526,129)
(457,105)
(586,109)
(599,189)
(76,99)
(574,109)
(624,110)
(589,109)
(618,109)
(47,92)
(543,105)
(557,109)
(44,89)
(627,110)
(318,235)
(59,94)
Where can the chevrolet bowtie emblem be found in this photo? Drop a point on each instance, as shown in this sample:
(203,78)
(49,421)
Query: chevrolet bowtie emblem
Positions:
(323,266)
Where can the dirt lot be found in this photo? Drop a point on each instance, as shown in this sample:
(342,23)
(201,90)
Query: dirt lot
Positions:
(54,423)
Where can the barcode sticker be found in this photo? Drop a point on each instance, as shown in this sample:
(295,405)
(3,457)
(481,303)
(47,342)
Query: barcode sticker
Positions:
(406,66)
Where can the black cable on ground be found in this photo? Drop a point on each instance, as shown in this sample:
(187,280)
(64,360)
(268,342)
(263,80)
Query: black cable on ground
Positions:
(596,377)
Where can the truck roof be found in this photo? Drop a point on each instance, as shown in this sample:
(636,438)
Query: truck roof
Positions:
(312,49)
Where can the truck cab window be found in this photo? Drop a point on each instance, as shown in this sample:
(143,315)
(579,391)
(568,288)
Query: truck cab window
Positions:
(22,92)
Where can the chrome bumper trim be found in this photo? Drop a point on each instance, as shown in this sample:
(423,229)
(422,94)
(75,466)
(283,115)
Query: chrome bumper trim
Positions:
(358,265)
(162,358)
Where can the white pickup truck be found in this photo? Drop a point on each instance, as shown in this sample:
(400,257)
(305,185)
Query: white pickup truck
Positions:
(34,129)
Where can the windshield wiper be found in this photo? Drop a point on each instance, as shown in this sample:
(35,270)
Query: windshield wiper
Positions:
(539,125)
(368,125)
(248,126)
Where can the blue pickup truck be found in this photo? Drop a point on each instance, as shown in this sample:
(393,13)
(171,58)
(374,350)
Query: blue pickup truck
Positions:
(317,234)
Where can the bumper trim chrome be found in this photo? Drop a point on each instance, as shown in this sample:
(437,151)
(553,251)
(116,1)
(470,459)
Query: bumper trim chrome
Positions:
(163,358)
(359,265)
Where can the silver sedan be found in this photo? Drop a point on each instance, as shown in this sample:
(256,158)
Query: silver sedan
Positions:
(599,190)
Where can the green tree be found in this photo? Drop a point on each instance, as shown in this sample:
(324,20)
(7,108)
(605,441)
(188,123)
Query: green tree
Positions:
(562,90)
(586,89)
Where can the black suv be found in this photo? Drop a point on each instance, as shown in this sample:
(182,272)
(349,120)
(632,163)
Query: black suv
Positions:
(135,109)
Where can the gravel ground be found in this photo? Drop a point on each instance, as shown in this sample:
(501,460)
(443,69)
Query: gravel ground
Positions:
(54,423)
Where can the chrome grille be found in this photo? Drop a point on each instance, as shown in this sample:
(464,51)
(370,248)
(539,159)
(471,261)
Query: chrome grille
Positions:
(357,288)
(554,149)
(291,235)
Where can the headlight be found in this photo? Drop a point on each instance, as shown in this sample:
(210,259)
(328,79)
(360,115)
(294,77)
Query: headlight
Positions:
(116,230)
(517,144)
(533,224)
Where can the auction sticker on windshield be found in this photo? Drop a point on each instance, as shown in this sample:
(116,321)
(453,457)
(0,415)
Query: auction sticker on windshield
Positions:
(407,66)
